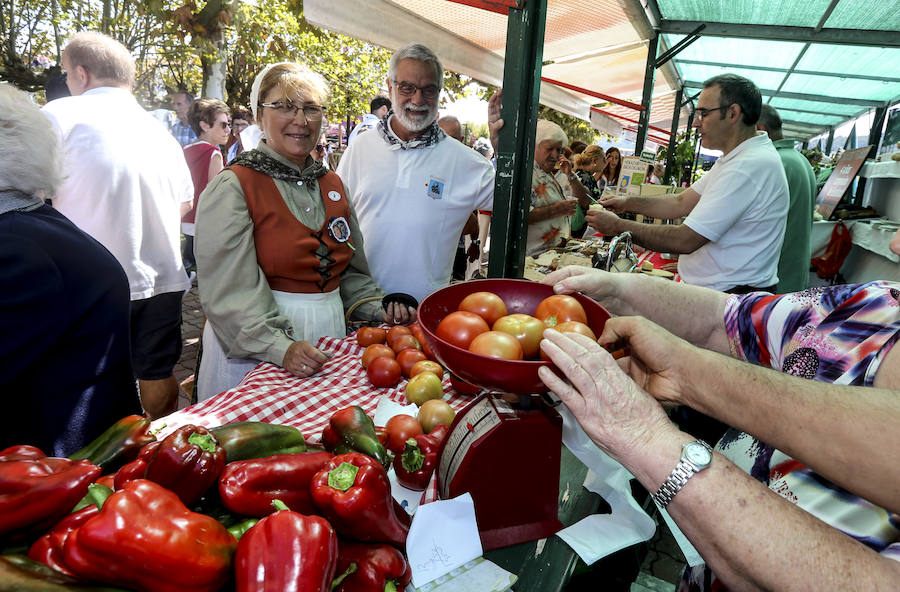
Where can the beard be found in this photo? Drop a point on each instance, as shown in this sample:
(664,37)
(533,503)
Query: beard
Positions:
(415,119)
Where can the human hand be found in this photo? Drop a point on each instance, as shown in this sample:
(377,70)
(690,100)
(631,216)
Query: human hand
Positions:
(591,282)
(616,414)
(473,253)
(565,207)
(603,221)
(399,314)
(495,123)
(565,165)
(303,359)
(657,360)
(614,204)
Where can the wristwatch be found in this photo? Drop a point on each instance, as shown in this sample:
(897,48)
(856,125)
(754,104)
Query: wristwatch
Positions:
(695,456)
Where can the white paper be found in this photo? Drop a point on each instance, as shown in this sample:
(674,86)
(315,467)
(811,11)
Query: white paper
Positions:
(598,535)
(443,537)
(479,575)
(387,409)
(407,498)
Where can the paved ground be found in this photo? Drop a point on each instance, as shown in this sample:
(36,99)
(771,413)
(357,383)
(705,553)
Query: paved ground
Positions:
(660,568)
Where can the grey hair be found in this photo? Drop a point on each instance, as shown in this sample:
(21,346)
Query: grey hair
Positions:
(102,56)
(416,51)
(32,157)
(547,130)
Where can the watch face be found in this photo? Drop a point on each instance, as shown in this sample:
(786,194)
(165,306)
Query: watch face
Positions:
(697,454)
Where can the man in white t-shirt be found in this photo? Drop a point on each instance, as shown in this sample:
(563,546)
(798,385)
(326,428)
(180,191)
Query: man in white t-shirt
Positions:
(378,108)
(731,239)
(127,185)
(412,186)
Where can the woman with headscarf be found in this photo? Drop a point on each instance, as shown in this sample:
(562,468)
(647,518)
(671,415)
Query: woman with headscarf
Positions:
(279,251)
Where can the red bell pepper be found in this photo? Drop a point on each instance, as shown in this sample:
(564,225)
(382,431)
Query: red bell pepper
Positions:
(249,487)
(351,430)
(188,461)
(36,490)
(415,465)
(145,538)
(49,548)
(287,552)
(119,444)
(370,568)
(353,492)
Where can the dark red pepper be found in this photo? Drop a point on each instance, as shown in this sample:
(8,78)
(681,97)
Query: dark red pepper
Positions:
(119,444)
(146,539)
(365,567)
(49,548)
(188,461)
(287,552)
(249,487)
(350,429)
(415,465)
(36,491)
(353,492)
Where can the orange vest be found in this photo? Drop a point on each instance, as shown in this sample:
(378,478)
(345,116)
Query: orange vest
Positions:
(286,249)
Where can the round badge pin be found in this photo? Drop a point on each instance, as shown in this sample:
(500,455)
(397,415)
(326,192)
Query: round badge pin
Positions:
(334,196)
(339,229)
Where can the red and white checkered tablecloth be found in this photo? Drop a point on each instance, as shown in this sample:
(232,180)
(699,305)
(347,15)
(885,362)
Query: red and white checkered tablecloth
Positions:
(273,395)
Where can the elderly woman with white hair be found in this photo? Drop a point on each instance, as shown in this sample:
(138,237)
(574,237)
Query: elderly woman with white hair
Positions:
(65,374)
(550,214)
(279,252)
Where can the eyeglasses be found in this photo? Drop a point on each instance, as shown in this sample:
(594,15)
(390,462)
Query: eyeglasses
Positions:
(290,109)
(702,113)
(225,124)
(408,89)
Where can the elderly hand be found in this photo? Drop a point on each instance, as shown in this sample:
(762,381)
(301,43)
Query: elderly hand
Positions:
(495,123)
(399,314)
(590,282)
(565,207)
(565,165)
(618,416)
(603,221)
(303,359)
(657,359)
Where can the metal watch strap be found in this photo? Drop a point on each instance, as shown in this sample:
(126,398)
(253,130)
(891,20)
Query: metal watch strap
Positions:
(677,479)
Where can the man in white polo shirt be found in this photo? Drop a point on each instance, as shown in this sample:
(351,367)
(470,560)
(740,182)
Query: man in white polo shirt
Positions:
(731,239)
(127,185)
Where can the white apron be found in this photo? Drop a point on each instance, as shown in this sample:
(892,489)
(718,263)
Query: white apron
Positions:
(312,316)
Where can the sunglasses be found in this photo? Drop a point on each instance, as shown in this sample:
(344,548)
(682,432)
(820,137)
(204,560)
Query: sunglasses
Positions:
(320,147)
(224,124)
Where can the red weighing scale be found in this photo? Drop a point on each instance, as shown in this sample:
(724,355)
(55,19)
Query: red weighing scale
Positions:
(504,448)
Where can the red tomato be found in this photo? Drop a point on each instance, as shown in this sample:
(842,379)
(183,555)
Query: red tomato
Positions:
(575,327)
(497,344)
(461,327)
(487,305)
(408,358)
(405,342)
(560,308)
(395,332)
(419,334)
(527,329)
(383,371)
(399,429)
(375,350)
(427,366)
(369,335)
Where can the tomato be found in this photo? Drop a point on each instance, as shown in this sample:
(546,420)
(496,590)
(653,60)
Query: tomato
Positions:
(424,387)
(383,371)
(427,366)
(399,429)
(395,332)
(408,358)
(461,327)
(375,350)
(487,305)
(575,327)
(560,308)
(435,412)
(497,344)
(527,329)
(369,335)
(419,334)
(405,342)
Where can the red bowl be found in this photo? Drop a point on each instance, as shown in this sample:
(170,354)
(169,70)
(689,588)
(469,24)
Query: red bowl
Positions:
(520,296)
